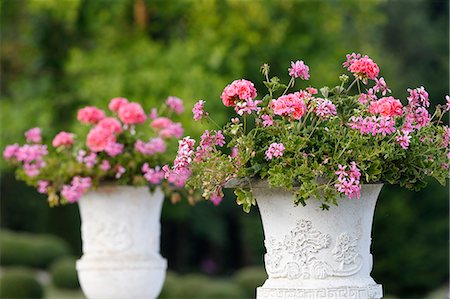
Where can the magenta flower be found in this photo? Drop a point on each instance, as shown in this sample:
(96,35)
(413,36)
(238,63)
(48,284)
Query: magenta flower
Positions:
(299,70)
(173,130)
(99,138)
(152,147)
(362,67)
(11,151)
(111,124)
(387,106)
(120,171)
(175,104)
(105,165)
(348,181)
(380,86)
(33,135)
(217,197)
(152,175)
(447,106)
(76,189)
(113,149)
(42,186)
(199,111)
(274,150)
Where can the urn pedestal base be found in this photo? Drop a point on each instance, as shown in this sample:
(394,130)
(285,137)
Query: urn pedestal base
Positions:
(311,253)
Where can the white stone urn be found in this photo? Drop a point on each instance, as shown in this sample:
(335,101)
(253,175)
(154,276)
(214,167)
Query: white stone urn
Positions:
(120,230)
(312,253)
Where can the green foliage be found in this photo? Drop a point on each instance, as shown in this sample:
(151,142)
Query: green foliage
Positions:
(20,283)
(64,274)
(37,251)
(249,279)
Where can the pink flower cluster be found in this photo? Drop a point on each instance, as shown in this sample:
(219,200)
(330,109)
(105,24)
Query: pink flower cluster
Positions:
(362,67)
(63,139)
(76,189)
(387,106)
(299,70)
(114,149)
(30,155)
(199,111)
(403,140)
(325,108)
(42,186)
(207,143)
(348,180)
(381,86)
(238,90)
(175,104)
(152,175)
(33,135)
(373,125)
(167,128)
(152,147)
(99,138)
(364,98)
(267,120)
(90,115)
(180,171)
(247,106)
(416,113)
(290,105)
(89,160)
(217,196)
(274,150)
(116,103)
(131,113)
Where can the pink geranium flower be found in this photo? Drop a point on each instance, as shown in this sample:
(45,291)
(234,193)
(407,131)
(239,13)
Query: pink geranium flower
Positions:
(33,135)
(289,105)
(236,91)
(199,111)
(274,150)
(175,104)
(299,70)
(131,113)
(99,138)
(362,67)
(90,115)
(160,123)
(63,139)
(116,103)
(111,124)
(387,106)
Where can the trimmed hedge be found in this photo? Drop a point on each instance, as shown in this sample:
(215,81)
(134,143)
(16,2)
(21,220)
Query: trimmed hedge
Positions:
(64,274)
(31,250)
(20,283)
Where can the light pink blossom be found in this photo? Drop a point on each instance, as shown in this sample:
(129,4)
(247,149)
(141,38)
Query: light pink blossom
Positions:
(152,147)
(380,86)
(10,151)
(325,108)
(63,139)
(274,150)
(90,160)
(403,140)
(42,186)
(161,123)
(174,130)
(299,70)
(363,67)
(33,135)
(120,171)
(131,113)
(217,196)
(349,180)
(175,104)
(247,106)
(312,90)
(105,165)
(153,113)
(116,103)
(199,111)
(152,175)
(90,115)
(267,120)
(180,171)
(76,189)
(114,149)
(447,105)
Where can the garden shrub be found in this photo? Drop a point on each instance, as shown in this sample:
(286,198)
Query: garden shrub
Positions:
(64,274)
(222,290)
(31,250)
(249,279)
(20,283)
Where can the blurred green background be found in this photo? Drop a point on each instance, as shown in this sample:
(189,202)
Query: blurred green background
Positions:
(59,55)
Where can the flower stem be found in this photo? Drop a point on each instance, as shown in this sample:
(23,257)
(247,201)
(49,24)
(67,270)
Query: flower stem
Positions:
(351,85)
(289,85)
(209,117)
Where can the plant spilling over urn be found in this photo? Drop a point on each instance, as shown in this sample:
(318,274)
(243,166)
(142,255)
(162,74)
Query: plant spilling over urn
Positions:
(130,147)
(316,143)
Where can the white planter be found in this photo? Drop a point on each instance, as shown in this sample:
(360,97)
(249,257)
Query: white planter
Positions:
(120,230)
(312,253)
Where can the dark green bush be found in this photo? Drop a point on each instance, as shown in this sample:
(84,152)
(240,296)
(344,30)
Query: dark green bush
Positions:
(20,283)
(64,274)
(31,250)
(190,286)
(249,279)
(222,290)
